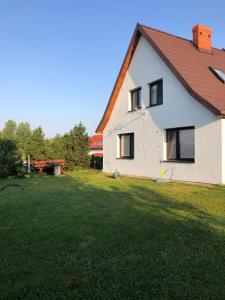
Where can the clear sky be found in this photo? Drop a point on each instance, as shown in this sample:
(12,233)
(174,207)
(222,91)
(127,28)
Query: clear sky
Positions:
(59,58)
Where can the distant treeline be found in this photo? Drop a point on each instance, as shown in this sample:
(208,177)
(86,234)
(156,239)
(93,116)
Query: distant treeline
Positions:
(18,140)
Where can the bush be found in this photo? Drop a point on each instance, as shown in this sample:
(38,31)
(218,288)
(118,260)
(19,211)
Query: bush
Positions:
(20,171)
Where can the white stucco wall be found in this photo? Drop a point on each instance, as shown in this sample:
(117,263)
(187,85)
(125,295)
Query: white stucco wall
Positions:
(223,149)
(179,109)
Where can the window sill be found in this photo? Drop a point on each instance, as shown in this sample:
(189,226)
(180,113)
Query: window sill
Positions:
(130,111)
(129,158)
(179,161)
(150,106)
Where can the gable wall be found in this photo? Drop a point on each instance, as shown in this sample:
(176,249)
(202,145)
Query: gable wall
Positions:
(223,149)
(178,110)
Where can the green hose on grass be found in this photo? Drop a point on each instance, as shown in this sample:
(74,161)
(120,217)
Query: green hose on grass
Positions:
(116,174)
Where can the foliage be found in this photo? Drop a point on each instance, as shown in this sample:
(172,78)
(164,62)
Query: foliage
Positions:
(23,135)
(36,145)
(55,148)
(20,170)
(8,157)
(9,130)
(73,146)
(76,147)
(87,236)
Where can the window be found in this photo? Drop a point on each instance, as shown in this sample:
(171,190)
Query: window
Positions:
(156,93)
(180,144)
(135,96)
(219,74)
(126,145)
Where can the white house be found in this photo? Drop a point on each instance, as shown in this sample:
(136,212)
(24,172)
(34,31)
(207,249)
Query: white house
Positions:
(167,109)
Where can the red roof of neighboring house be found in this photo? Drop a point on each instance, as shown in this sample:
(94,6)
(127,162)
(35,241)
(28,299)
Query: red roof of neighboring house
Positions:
(186,61)
(97,154)
(95,142)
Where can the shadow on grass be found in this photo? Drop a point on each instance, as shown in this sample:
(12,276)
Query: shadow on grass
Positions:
(85,237)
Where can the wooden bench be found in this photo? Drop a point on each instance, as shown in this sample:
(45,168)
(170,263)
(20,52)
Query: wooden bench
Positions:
(56,164)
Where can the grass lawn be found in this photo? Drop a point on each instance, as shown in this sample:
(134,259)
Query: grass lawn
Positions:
(88,236)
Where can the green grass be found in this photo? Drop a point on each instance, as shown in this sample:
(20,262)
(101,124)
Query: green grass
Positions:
(88,236)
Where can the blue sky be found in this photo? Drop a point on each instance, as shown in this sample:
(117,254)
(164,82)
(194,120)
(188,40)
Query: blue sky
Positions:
(59,58)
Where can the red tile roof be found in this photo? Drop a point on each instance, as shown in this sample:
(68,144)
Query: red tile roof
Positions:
(97,154)
(188,63)
(95,142)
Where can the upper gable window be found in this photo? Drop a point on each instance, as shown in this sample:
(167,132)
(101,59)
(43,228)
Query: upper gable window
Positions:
(156,93)
(219,74)
(135,99)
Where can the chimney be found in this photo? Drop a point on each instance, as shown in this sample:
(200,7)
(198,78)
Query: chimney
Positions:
(202,38)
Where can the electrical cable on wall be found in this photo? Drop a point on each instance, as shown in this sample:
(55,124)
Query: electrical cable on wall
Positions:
(162,171)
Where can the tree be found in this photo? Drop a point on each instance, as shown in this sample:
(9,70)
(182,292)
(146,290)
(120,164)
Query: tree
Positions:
(58,148)
(9,130)
(76,147)
(36,145)
(8,157)
(19,141)
(23,135)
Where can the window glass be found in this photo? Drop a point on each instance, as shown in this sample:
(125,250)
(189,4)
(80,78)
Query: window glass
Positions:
(187,143)
(135,99)
(154,94)
(127,145)
(180,144)
(219,74)
(171,144)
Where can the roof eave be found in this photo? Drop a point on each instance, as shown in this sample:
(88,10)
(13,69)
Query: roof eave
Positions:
(222,114)
(120,79)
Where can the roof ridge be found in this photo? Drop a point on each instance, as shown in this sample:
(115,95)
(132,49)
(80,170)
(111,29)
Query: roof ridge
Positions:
(167,33)
(177,36)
